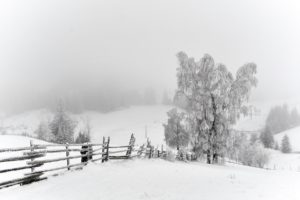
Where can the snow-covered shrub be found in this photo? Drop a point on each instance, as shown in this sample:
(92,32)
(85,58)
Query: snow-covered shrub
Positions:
(254,155)
(182,155)
(171,155)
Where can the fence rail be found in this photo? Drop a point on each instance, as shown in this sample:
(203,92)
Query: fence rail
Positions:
(36,157)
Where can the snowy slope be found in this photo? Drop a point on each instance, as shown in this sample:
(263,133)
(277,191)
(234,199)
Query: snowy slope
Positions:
(294,136)
(26,122)
(118,124)
(281,161)
(158,179)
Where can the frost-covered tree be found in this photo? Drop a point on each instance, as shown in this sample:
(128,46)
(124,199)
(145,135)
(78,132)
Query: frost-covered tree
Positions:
(254,155)
(215,99)
(266,138)
(175,134)
(285,144)
(62,126)
(43,132)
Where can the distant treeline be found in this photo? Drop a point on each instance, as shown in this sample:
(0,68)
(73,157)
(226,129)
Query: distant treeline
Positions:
(281,118)
(100,99)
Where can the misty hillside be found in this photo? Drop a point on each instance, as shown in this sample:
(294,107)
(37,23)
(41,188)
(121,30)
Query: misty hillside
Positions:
(117,124)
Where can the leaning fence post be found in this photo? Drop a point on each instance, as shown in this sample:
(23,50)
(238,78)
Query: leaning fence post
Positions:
(107,149)
(103,149)
(67,155)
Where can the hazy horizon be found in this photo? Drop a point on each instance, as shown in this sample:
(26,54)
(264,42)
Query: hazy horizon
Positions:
(52,47)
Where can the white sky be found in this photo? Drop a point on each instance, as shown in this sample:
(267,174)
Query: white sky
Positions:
(47,44)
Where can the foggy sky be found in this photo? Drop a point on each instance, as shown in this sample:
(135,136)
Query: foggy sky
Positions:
(47,47)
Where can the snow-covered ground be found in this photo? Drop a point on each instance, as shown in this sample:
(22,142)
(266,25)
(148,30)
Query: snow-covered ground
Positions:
(158,179)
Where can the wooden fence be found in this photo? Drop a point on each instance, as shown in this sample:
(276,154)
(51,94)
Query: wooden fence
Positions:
(37,155)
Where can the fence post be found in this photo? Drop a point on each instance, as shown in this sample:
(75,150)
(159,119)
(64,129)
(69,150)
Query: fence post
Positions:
(32,150)
(131,145)
(90,151)
(107,149)
(103,149)
(140,152)
(150,152)
(67,155)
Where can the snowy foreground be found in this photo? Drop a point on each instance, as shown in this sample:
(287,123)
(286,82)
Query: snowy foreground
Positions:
(159,179)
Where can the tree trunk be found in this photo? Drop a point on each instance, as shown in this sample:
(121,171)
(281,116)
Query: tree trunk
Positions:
(208,158)
(215,158)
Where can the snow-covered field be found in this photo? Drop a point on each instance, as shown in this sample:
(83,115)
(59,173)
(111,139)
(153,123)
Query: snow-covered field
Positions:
(158,179)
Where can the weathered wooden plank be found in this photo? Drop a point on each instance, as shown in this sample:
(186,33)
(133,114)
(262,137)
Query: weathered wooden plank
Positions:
(51,151)
(19,149)
(19,180)
(118,157)
(60,159)
(121,151)
(19,168)
(114,147)
(55,169)
(18,158)
(63,145)
(53,160)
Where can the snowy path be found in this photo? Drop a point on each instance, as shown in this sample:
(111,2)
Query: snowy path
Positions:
(158,179)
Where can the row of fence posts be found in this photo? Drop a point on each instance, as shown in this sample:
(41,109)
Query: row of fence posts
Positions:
(152,152)
(86,152)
